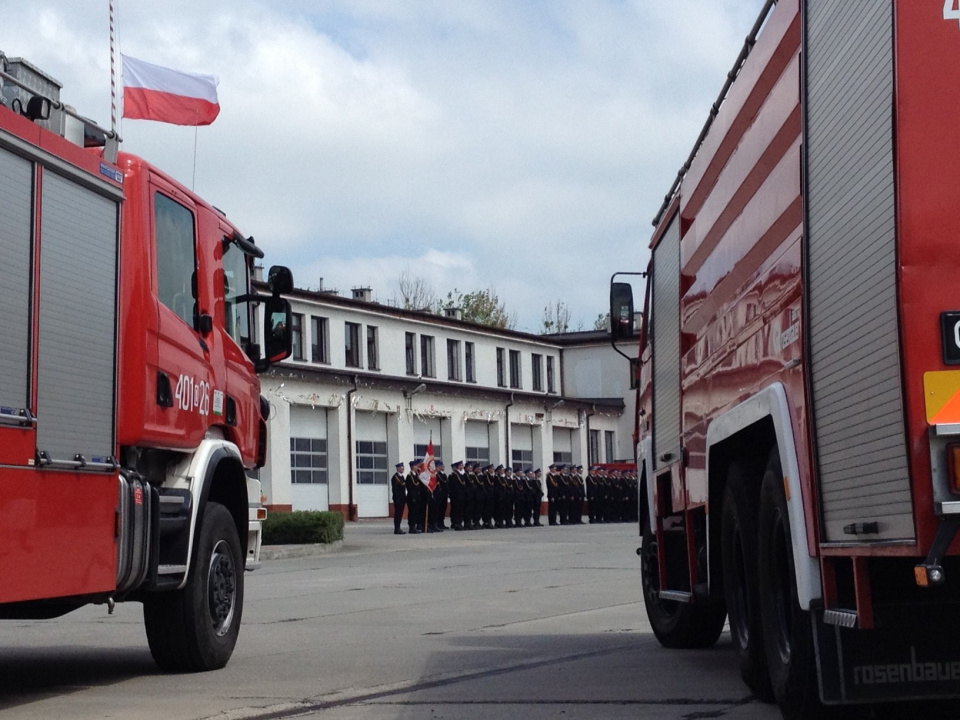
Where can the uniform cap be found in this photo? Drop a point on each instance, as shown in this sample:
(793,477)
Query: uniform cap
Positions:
(537,471)
(414,462)
(440,463)
(399,465)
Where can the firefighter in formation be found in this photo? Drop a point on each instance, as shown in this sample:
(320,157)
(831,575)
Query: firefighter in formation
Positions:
(482,496)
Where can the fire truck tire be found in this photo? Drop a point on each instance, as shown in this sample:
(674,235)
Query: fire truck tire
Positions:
(738,547)
(787,632)
(675,624)
(195,629)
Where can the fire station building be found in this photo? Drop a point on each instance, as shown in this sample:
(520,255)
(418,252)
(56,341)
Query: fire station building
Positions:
(370,385)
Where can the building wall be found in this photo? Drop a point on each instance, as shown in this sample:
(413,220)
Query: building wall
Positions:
(353,400)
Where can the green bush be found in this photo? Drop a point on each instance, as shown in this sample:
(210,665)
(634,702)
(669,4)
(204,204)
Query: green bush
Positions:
(302,527)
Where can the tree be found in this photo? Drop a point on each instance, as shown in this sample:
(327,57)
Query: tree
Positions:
(482,307)
(415,293)
(556,317)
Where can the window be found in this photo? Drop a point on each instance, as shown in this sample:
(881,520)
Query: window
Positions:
(609,445)
(471,368)
(236,318)
(562,457)
(176,257)
(373,356)
(420,451)
(351,344)
(593,447)
(551,388)
(501,377)
(515,379)
(427,367)
(411,347)
(523,458)
(537,372)
(319,343)
(477,455)
(453,359)
(308,461)
(296,331)
(371,463)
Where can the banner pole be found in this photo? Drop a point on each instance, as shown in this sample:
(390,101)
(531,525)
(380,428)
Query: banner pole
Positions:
(113,69)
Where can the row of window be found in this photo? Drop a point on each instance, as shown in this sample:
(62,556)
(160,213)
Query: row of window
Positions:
(516,378)
(308,458)
(420,354)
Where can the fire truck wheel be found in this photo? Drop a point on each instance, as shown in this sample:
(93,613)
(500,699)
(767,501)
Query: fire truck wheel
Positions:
(675,624)
(738,547)
(787,633)
(195,629)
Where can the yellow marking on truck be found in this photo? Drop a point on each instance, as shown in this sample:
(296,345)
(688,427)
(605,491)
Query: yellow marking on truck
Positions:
(941,395)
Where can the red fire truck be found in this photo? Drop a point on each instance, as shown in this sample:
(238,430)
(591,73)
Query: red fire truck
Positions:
(798,419)
(130,410)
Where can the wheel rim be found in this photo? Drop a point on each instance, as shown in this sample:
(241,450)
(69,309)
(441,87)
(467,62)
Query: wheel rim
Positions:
(738,609)
(782,590)
(650,578)
(222,588)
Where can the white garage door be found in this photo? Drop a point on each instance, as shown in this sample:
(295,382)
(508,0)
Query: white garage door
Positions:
(371,463)
(309,484)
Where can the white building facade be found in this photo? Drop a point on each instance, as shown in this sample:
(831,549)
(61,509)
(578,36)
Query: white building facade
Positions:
(370,385)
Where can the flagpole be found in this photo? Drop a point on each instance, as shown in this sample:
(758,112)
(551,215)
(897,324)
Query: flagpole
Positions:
(193,184)
(113,70)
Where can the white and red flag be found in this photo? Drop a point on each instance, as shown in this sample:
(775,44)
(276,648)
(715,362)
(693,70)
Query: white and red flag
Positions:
(152,92)
(428,469)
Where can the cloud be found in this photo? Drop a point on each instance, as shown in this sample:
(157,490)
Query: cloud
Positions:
(523,146)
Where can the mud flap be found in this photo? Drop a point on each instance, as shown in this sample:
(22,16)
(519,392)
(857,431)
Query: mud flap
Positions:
(909,658)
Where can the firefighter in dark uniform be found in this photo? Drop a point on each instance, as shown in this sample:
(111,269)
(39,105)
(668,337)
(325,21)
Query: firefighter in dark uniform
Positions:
(553,494)
(537,498)
(490,500)
(474,508)
(578,495)
(415,506)
(521,499)
(398,490)
(456,488)
(440,495)
(593,494)
(501,480)
(524,501)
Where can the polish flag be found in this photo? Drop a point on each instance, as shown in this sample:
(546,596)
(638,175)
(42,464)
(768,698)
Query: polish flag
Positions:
(428,469)
(151,92)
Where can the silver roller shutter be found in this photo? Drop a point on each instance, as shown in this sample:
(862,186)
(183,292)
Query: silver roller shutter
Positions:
(16,205)
(78,288)
(851,270)
(666,347)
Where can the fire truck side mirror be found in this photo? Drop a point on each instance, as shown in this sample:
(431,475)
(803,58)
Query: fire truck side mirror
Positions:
(621,311)
(280,280)
(278,321)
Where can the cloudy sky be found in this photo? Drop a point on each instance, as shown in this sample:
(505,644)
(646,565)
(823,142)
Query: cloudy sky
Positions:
(520,145)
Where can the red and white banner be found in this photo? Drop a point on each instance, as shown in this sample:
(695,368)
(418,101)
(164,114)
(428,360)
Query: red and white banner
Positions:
(152,92)
(428,469)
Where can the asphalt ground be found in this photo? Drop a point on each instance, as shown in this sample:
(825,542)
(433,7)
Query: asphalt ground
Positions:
(518,623)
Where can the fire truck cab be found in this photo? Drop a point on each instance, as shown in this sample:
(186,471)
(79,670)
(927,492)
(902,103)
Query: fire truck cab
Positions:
(130,410)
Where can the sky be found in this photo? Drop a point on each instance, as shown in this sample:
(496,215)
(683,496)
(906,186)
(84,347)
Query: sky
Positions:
(522,146)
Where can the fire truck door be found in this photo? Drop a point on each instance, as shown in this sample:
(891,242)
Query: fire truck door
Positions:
(183,353)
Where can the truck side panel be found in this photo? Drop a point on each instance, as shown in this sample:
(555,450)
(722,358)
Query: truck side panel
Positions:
(851,272)
(56,533)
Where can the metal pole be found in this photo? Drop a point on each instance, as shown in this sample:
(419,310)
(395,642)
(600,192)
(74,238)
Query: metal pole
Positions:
(113,70)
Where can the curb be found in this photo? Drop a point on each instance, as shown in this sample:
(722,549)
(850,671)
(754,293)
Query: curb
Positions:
(283,552)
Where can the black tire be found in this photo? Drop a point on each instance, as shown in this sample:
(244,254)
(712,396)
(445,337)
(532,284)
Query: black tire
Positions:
(787,632)
(195,629)
(739,546)
(675,624)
